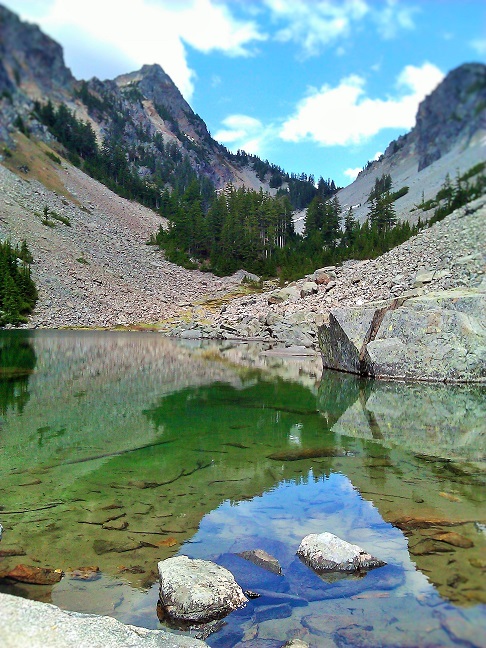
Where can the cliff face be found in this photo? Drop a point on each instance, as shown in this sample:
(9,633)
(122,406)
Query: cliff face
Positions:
(455,110)
(448,137)
(30,61)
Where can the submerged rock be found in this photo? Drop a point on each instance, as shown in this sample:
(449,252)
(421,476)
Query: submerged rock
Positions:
(326,552)
(309,453)
(197,590)
(35,575)
(262,559)
(90,573)
(15,550)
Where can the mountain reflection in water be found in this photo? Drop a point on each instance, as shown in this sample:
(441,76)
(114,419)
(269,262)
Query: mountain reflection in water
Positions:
(131,448)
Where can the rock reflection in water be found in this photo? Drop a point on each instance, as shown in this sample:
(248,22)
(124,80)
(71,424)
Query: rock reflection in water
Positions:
(432,419)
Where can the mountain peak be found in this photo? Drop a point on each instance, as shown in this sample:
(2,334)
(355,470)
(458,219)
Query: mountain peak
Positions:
(30,58)
(454,110)
(153,73)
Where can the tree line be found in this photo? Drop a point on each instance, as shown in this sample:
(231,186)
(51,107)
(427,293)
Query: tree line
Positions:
(241,228)
(18,294)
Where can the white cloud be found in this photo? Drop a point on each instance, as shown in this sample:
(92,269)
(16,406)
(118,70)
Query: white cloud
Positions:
(146,31)
(352,173)
(318,26)
(393,17)
(345,115)
(329,22)
(479,46)
(244,132)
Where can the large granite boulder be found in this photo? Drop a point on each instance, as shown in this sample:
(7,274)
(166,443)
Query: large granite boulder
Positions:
(440,336)
(325,552)
(197,590)
(37,625)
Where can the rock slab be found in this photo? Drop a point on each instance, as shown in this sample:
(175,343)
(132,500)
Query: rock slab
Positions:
(326,552)
(197,590)
(262,559)
(440,337)
(37,625)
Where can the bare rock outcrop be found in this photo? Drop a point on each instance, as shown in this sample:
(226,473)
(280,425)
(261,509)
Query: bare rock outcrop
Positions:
(34,624)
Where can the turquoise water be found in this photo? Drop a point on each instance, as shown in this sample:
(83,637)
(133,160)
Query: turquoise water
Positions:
(122,449)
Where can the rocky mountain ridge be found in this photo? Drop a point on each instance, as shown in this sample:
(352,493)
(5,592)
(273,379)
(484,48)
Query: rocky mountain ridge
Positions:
(142,111)
(98,271)
(449,137)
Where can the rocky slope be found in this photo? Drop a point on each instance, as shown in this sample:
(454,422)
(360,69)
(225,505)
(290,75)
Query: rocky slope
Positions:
(98,271)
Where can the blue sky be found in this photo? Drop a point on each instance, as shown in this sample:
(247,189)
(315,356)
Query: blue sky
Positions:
(315,86)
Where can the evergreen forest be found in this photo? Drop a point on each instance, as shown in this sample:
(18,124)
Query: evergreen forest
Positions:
(18,294)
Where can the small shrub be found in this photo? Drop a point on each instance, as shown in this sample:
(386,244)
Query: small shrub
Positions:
(395,195)
(83,260)
(20,125)
(55,158)
(7,152)
(61,219)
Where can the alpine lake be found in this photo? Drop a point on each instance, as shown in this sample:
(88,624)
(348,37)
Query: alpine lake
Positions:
(121,449)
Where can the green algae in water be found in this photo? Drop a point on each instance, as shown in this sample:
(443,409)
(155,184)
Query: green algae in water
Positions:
(129,448)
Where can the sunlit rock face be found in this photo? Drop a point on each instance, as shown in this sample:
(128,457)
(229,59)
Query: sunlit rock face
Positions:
(436,337)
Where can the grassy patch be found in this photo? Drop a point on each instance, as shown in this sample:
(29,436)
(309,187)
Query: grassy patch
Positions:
(32,155)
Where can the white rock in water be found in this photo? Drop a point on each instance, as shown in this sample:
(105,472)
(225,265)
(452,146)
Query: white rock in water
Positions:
(197,590)
(327,552)
(1,531)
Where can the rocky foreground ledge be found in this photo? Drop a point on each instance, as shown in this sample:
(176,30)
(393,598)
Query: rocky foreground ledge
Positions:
(38,625)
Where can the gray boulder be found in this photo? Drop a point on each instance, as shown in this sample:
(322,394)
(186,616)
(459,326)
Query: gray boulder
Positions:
(289,293)
(326,552)
(191,334)
(197,590)
(439,336)
(308,288)
(243,276)
(344,336)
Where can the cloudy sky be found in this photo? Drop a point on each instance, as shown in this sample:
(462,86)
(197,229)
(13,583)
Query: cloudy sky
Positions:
(315,86)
